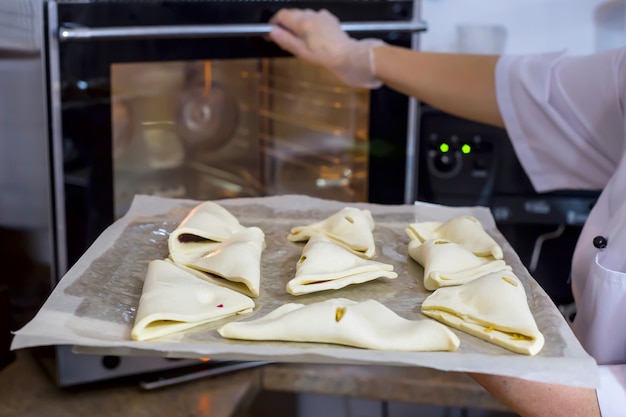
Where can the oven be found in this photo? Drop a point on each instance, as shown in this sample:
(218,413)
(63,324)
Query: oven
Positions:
(180,98)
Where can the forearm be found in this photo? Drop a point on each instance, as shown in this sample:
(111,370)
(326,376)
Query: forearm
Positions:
(533,399)
(459,84)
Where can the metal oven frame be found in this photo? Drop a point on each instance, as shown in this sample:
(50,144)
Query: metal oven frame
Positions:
(32,131)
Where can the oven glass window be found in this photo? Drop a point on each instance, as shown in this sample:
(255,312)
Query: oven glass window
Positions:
(212,129)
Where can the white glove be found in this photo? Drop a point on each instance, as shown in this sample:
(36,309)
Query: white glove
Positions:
(317,37)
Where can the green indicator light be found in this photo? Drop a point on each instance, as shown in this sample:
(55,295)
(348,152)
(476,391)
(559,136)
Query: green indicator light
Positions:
(444,147)
(466,149)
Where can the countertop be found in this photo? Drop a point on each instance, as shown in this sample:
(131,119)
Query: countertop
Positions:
(26,390)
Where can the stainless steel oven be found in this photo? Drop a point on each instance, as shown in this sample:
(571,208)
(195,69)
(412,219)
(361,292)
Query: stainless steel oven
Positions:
(181,98)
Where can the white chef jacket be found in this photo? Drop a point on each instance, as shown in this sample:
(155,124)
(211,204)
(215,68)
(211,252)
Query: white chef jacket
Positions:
(566,117)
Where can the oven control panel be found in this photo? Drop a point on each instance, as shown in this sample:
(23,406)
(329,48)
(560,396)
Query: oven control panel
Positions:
(451,155)
(467,163)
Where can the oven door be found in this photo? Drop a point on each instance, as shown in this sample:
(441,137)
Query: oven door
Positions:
(190,99)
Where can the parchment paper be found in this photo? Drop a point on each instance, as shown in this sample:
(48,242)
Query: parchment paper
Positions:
(93,307)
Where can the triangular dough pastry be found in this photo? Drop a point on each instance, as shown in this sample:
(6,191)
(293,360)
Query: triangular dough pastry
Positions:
(189,252)
(325,265)
(352,227)
(236,259)
(447,263)
(466,231)
(206,224)
(493,308)
(368,324)
(173,300)
(215,279)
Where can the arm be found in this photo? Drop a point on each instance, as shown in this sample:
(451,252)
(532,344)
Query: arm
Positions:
(463,85)
(458,84)
(535,399)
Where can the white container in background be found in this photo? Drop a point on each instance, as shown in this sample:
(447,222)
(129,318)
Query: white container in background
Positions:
(610,25)
(480,38)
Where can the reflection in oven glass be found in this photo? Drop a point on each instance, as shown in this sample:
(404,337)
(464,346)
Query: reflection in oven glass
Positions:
(237,128)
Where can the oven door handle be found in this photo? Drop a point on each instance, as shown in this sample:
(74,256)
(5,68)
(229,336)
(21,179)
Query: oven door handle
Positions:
(81,33)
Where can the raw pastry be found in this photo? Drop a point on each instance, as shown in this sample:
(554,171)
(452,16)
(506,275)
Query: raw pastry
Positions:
(368,324)
(447,263)
(237,259)
(206,224)
(350,226)
(493,307)
(217,280)
(325,265)
(464,230)
(173,300)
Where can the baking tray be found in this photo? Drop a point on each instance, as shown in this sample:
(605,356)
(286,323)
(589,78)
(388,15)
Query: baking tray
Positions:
(93,306)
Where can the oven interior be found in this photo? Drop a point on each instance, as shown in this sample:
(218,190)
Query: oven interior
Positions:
(212,129)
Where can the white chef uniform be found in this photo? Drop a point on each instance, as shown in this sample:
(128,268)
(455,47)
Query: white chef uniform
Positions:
(566,117)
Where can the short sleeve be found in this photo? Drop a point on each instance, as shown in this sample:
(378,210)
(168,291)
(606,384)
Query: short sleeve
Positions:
(565,116)
(612,391)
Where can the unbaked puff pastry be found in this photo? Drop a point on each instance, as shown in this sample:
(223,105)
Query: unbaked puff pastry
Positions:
(368,325)
(206,224)
(173,300)
(466,231)
(351,227)
(326,265)
(236,259)
(447,263)
(493,307)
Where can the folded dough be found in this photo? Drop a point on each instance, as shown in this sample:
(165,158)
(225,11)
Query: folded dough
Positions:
(493,308)
(466,231)
(352,227)
(237,259)
(368,324)
(447,263)
(172,300)
(325,265)
(206,224)
(217,280)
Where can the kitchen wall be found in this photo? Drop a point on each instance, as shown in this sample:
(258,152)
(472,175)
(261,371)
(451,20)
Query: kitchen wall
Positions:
(578,26)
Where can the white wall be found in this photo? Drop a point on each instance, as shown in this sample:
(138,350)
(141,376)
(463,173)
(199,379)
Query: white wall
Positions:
(531,25)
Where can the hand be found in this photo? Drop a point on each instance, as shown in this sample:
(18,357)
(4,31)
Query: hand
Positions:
(317,37)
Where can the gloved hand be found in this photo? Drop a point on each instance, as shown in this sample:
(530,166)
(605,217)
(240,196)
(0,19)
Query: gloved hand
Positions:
(317,37)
